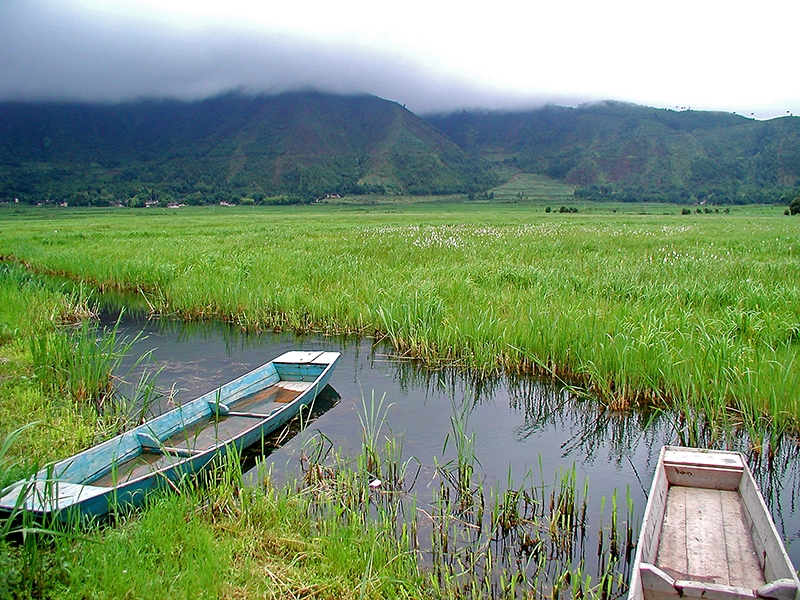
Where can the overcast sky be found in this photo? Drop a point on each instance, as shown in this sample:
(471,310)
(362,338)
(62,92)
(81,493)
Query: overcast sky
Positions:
(430,55)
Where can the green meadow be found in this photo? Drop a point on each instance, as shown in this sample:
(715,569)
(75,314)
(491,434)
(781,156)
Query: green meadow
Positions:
(636,304)
(633,305)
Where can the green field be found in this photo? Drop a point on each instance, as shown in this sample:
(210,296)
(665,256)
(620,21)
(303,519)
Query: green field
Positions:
(700,311)
(635,304)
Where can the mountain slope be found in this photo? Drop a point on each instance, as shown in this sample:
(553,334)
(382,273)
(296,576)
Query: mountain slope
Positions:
(615,147)
(224,148)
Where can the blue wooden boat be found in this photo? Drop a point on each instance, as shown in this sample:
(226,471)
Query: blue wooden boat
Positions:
(121,471)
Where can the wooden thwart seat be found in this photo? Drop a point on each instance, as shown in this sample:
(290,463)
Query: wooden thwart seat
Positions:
(658,584)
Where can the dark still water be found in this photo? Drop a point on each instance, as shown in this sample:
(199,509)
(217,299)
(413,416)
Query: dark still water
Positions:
(521,425)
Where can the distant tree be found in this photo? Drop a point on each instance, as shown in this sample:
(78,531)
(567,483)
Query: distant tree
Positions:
(794,206)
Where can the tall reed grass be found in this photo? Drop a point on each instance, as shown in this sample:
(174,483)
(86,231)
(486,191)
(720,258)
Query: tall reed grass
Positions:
(637,309)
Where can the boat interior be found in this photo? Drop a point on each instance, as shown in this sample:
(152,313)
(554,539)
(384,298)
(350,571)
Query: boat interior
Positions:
(187,437)
(709,533)
(222,423)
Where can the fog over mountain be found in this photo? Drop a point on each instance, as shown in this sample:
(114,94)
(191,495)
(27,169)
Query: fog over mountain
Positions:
(431,57)
(52,53)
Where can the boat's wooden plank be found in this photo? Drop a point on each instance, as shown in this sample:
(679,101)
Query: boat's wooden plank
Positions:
(251,415)
(768,545)
(181,452)
(95,460)
(704,537)
(299,372)
(743,566)
(703,477)
(295,386)
(136,467)
(706,556)
(700,457)
(713,591)
(780,589)
(260,401)
(694,467)
(299,357)
(672,558)
(656,580)
(647,548)
(326,358)
(211,433)
(260,378)
(45,496)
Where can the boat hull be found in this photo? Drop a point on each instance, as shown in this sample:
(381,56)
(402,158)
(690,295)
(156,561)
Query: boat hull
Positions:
(122,471)
(706,532)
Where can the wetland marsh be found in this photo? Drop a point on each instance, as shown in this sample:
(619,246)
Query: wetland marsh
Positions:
(646,328)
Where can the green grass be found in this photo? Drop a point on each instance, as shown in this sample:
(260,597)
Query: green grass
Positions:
(218,540)
(694,311)
(28,311)
(214,539)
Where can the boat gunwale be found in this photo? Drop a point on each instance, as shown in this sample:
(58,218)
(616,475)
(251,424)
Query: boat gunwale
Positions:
(50,475)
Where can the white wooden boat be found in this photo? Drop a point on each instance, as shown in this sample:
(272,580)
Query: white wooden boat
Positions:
(707,533)
(122,470)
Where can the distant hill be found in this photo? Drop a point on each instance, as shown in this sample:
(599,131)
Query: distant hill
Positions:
(294,146)
(297,147)
(615,150)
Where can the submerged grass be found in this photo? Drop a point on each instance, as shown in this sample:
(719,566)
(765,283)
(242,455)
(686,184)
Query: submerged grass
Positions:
(523,539)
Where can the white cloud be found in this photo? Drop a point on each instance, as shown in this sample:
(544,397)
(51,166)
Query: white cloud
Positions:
(430,55)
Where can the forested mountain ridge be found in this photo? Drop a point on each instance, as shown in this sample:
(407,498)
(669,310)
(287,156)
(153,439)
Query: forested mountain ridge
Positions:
(296,146)
(624,151)
(300,146)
